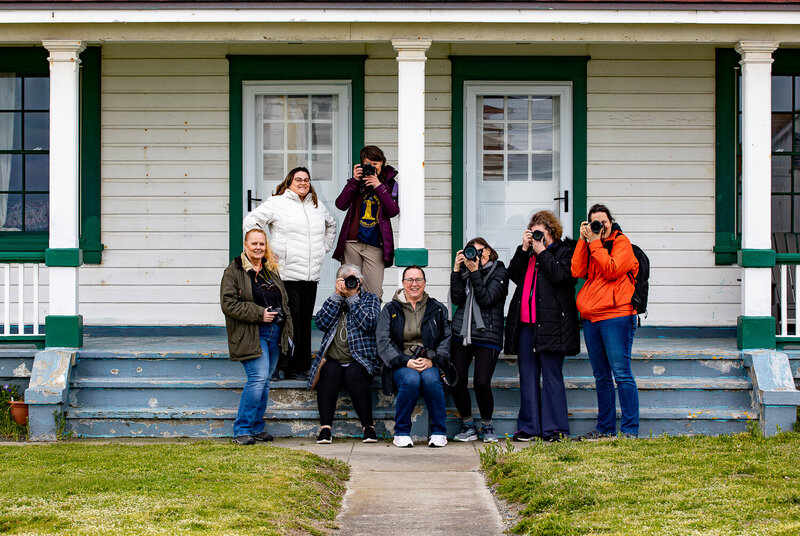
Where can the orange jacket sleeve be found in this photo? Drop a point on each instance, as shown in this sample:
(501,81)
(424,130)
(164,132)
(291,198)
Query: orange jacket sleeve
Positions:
(580,260)
(619,262)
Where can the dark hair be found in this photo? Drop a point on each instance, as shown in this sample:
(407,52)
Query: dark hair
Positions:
(549,221)
(374,153)
(599,207)
(414,267)
(493,256)
(283,186)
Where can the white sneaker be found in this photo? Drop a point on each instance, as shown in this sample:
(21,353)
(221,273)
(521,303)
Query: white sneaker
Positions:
(437,440)
(403,441)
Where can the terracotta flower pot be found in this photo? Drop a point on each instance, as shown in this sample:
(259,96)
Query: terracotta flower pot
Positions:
(19,410)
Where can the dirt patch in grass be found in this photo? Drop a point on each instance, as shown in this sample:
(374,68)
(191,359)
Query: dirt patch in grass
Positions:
(179,488)
(690,485)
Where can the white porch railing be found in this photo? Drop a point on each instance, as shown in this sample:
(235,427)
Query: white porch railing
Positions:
(785,283)
(14,298)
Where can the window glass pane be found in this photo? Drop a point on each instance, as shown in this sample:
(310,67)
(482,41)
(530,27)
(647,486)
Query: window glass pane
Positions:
(542,137)
(297,137)
(518,137)
(781,213)
(493,167)
(273,136)
(322,137)
(322,167)
(37,131)
(36,212)
(273,168)
(10,131)
(10,172)
(13,212)
(493,137)
(518,167)
(273,107)
(37,93)
(542,108)
(796,223)
(781,174)
(797,93)
(297,160)
(322,107)
(493,107)
(10,95)
(37,172)
(298,107)
(518,107)
(781,132)
(542,167)
(781,93)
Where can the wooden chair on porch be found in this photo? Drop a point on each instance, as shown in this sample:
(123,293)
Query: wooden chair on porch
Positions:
(784,243)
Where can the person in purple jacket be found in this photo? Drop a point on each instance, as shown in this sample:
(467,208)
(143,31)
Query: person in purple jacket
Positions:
(370,199)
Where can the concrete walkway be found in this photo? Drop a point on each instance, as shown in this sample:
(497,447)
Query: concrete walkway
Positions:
(419,491)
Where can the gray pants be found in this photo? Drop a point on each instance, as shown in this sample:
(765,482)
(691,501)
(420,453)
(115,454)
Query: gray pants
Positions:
(370,260)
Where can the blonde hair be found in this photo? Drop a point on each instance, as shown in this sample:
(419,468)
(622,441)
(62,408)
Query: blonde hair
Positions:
(270,260)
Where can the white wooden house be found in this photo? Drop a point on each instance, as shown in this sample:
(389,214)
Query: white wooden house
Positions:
(125,190)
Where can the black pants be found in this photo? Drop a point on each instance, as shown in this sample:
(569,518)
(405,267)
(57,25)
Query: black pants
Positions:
(332,378)
(302,295)
(485,362)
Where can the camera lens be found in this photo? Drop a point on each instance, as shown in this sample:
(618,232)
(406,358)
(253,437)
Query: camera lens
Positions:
(538,235)
(351,281)
(368,170)
(470,253)
(596,226)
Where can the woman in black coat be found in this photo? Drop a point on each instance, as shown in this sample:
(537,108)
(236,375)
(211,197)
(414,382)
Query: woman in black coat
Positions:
(478,287)
(542,327)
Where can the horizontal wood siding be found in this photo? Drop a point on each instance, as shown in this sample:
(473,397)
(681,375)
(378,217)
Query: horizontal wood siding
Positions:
(651,160)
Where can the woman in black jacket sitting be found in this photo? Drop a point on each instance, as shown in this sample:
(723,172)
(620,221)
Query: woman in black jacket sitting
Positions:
(478,287)
(542,326)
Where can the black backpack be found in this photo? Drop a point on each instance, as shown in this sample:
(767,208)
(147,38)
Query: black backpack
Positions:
(641,283)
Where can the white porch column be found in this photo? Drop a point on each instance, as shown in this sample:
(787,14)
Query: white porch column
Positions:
(63,256)
(756,326)
(411,150)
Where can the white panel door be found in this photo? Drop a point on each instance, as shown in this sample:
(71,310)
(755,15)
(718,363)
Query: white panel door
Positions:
(518,159)
(291,124)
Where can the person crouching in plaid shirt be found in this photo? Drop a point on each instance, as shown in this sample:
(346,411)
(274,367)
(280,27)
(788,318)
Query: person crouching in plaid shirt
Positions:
(349,353)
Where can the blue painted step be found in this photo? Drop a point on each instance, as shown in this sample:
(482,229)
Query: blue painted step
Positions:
(15,368)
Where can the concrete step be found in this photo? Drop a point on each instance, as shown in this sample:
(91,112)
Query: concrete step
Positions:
(16,370)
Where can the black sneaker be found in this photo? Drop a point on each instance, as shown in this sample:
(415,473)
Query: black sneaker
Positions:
(555,438)
(299,376)
(244,440)
(522,436)
(263,436)
(324,436)
(594,435)
(369,435)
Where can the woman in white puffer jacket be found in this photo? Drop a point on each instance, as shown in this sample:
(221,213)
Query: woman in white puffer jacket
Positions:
(301,231)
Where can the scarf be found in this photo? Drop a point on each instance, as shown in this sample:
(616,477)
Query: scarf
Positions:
(471,307)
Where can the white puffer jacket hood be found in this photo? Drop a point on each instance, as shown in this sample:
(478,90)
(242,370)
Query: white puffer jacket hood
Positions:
(300,234)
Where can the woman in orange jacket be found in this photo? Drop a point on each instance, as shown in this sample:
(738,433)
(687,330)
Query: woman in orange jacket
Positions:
(604,257)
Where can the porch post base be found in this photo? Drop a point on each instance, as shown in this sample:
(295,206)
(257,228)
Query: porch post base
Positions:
(63,331)
(776,397)
(47,392)
(411,257)
(755,332)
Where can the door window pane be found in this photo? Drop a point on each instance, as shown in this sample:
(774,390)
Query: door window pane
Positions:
(322,136)
(518,107)
(323,167)
(518,167)
(493,107)
(493,137)
(273,107)
(518,137)
(493,167)
(543,167)
(297,137)
(298,107)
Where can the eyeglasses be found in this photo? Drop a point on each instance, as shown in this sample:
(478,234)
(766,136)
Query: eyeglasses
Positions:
(301,180)
(417,280)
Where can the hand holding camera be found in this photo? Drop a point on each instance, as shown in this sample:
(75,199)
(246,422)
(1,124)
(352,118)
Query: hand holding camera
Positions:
(367,173)
(347,286)
(274,315)
(422,358)
(470,258)
(592,231)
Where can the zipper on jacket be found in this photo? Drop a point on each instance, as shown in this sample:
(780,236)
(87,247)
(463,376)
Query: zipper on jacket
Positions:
(308,228)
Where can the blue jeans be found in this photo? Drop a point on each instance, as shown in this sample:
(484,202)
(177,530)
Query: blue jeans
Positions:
(408,386)
(609,345)
(253,404)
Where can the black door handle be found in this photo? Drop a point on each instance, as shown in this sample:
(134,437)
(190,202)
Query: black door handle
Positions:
(566,200)
(250,200)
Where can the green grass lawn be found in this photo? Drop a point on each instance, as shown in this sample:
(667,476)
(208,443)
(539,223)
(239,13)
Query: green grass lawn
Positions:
(176,488)
(670,485)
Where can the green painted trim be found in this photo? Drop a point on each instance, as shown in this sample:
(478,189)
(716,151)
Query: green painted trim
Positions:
(755,332)
(63,331)
(63,257)
(725,238)
(24,60)
(787,258)
(518,68)
(411,257)
(38,340)
(755,258)
(90,95)
(243,68)
(35,257)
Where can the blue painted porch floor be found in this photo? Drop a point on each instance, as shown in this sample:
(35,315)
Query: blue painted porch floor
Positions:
(172,386)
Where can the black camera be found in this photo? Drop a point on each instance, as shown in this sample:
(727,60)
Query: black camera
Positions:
(368,170)
(421,351)
(471,253)
(351,282)
(596,226)
(538,235)
(280,317)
